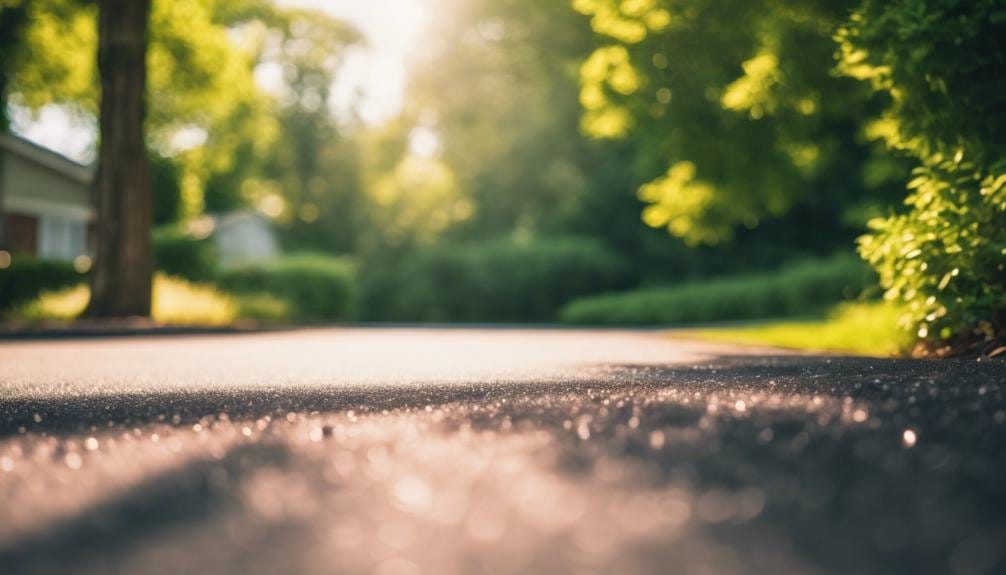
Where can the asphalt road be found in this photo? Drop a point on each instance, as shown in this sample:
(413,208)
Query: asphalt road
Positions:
(421,451)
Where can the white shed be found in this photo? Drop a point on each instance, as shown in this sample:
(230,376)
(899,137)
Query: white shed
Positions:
(244,237)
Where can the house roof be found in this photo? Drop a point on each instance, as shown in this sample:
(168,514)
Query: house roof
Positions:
(47,158)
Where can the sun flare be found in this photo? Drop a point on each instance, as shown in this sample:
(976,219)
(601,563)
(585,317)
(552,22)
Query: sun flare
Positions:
(374,76)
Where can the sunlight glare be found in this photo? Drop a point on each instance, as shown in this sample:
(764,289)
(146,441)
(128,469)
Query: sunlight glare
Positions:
(374,76)
(424,142)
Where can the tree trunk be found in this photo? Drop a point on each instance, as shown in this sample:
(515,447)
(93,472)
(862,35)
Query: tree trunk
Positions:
(12,22)
(121,278)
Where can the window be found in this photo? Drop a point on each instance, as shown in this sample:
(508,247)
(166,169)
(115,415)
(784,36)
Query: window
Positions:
(61,238)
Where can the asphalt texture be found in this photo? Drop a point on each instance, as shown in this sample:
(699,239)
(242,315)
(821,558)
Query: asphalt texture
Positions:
(440,451)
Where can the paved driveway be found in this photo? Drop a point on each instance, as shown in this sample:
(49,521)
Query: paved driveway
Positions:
(438,451)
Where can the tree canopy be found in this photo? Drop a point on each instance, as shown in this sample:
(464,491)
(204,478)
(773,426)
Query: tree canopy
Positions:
(739,113)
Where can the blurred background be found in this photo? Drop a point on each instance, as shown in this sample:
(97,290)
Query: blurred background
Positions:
(597,162)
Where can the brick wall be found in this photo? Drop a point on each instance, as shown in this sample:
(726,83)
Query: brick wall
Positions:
(21,233)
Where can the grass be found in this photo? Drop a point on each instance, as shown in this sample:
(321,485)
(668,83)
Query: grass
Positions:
(63,304)
(175,302)
(860,328)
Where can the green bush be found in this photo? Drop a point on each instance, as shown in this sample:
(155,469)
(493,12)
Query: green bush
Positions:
(314,286)
(178,253)
(941,63)
(262,307)
(506,281)
(946,258)
(26,278)
(800,289)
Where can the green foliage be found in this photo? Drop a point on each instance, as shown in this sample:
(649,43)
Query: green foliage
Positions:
(26,278)
(734,106)
(941,63)
(309,181)
(314,286)
(179,253)
(799,289)
(945,259)
(56,59)
(503,101)
(496,281)
(416,201)
(205,111)
(166,190)
(262,307)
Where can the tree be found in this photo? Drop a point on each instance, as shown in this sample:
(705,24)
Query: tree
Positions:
(310,175)
(510,131)
(497,83)
(121,278)
(205,112)
(738,116)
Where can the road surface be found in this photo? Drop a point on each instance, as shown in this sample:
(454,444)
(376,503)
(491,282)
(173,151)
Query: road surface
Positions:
(440,451)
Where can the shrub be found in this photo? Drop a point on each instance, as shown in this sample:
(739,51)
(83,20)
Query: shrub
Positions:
(946,258)
(316,287)
(178,253)
(26,277)
(262,307)
(800,289)
(496,281)
(941,63)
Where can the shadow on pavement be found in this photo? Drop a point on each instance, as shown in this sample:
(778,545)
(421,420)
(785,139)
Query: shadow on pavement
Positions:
(171,500)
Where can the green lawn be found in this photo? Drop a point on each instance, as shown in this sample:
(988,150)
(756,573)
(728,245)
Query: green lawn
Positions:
(861,328)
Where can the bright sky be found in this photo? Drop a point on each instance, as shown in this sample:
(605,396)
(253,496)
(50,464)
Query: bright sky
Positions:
(374,75)
(378,72)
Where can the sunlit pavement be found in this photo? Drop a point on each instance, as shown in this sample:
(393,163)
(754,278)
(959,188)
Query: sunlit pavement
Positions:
(399,451)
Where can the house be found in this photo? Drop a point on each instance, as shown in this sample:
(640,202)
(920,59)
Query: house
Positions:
(47,210)
(46,202)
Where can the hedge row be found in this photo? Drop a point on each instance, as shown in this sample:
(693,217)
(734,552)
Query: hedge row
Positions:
(26,277)
(800,289)
(316,287)
(501,281)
